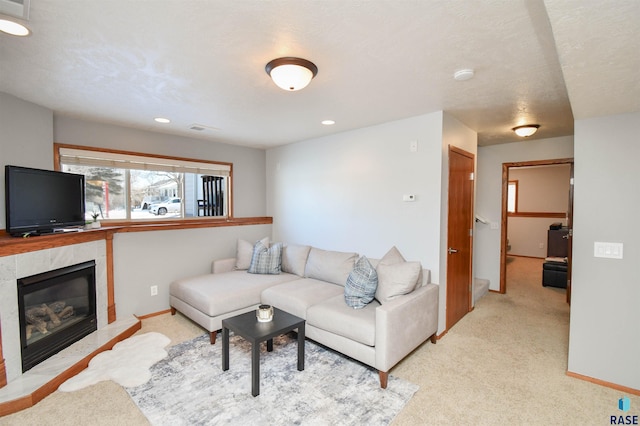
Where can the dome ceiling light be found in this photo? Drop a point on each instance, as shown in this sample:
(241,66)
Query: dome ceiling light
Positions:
(526,130)
(291,74)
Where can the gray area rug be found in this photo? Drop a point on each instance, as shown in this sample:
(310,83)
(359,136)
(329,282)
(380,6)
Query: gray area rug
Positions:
(190,388)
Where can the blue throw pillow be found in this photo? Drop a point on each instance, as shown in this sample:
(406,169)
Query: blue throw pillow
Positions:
(361,285)
(266,260)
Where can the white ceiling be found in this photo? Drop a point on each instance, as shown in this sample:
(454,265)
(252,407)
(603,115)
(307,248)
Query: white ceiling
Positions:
(202,62)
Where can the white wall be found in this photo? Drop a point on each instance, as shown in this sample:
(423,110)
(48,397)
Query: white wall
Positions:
(604,340)
(143,259)
(486,252)
(26,132)
(344,192)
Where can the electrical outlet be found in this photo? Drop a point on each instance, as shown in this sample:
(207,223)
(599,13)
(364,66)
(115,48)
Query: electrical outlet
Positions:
(154,290)
(541,245)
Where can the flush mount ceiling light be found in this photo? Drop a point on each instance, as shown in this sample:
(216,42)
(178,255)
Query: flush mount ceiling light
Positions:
(162,120)
(13,28)
(291,74)
(526,130)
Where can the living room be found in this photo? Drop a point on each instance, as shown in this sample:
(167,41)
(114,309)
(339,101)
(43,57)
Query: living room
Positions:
(315,180)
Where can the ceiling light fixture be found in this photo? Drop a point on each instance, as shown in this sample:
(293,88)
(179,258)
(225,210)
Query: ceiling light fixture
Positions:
(526,130)
(13,28)
(291,74)
(162,120)
(328,122)
(463,75)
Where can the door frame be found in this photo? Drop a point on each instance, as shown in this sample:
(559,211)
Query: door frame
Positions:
(503,221)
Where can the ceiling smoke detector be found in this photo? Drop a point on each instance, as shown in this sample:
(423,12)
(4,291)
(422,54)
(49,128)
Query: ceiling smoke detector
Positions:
(463,75)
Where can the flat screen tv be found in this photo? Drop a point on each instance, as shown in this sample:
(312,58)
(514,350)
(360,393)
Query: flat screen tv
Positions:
(42,201)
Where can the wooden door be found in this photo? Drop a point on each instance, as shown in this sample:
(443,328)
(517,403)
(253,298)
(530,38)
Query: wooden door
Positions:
(570,237)
(459,235)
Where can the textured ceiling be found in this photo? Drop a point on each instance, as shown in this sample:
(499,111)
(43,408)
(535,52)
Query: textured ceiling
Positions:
(202,62)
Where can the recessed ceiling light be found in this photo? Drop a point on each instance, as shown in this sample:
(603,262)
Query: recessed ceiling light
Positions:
(162,120)
(328,122)
(463,75)
(13,28)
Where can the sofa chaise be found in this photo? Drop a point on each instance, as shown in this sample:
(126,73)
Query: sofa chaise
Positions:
(378,328)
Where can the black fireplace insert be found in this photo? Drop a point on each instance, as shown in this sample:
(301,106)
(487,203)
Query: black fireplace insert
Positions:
(56,309)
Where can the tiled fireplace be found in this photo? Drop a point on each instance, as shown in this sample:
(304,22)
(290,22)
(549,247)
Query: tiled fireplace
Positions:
(18,266)
(56,309)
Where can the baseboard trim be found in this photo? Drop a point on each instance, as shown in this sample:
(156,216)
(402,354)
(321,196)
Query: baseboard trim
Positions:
(621,388)
(153,314)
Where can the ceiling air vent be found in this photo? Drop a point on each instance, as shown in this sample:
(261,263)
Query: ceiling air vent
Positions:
(201,127)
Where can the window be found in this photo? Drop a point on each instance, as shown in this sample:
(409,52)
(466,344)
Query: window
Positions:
(512,197)
(130,186)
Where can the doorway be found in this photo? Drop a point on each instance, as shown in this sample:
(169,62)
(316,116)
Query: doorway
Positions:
(459,235)
(507,213)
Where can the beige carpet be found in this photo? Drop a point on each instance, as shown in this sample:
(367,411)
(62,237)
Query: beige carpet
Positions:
(504,363)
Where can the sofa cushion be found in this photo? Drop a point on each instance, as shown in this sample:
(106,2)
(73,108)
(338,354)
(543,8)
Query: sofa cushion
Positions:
(361,285)
(244,253)
(391,257)
(294,258)
(217,294)
(296,296)
(330,266)
(334,316)
(397,279)
(266,260)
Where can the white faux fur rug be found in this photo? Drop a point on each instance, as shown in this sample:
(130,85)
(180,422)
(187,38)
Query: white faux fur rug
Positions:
(127,363)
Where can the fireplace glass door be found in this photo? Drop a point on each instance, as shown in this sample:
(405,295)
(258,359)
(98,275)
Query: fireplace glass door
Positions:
(56,308)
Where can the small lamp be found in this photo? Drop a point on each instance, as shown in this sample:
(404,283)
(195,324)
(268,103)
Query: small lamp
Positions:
(526,130)
(291,74)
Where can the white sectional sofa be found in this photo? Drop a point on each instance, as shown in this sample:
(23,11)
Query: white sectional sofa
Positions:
(310,283)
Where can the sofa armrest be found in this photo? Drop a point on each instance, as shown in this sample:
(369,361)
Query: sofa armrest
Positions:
(223,265)
(404,323)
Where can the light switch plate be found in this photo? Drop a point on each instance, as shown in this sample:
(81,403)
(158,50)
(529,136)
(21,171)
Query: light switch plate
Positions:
(607,250)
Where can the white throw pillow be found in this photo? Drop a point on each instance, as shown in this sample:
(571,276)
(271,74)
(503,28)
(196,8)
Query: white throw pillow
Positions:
(244,253)
(396,276)
(396,280)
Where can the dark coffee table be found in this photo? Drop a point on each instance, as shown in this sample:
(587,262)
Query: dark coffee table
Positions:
(247,326)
